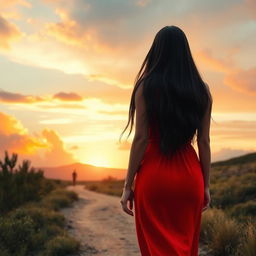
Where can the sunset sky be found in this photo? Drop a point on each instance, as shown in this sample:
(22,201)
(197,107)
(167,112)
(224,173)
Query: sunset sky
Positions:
(68,68)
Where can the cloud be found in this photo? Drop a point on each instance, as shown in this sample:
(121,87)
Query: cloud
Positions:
(67,96)
(217,64)
(242,80)
(57,151)
(15,137)
(104,52)
(42,148)
(107,41)
(234,130)
(68,31)
(10,97)
(10,125)
(17,98)
(10,3)
(8,32)
(108,94)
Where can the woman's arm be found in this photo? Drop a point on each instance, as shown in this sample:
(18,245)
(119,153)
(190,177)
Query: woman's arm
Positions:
(203,142)
(140,139)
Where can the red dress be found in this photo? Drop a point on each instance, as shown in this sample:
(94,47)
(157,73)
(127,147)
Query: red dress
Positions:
(168,202)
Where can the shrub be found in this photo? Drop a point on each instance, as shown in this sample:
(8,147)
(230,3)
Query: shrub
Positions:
(41,216)
(226,238)
(222,234)
(209,218)
(242,210)
(30,225)
(20,185)
(27,230)
(59,198)
(16,235)
(248,244)
(61,245)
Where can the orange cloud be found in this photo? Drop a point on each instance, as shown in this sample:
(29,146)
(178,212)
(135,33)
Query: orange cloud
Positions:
(9,3)
(221,65)
(16,138)
(57,152)
(107,93)
(65,32)
(10,97)
(93,43)
(10,125)
(45,147)
(8,32)
(67,96)
(236,78)
(235,129)
(242,80)
(70,32)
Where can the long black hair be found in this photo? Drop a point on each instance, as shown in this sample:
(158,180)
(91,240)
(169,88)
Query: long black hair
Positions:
(175,95)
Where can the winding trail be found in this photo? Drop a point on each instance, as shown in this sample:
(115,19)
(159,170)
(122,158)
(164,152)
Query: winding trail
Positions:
(97,220)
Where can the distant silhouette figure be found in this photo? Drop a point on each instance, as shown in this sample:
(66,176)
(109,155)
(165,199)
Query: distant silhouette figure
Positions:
(74,175)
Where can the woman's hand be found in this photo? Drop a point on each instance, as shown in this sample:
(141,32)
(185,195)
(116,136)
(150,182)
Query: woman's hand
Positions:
(207,199)
(127,196)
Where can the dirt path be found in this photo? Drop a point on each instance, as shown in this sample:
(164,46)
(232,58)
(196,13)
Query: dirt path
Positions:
(98,221)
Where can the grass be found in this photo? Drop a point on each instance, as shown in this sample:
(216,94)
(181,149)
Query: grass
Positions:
(224,236)
(30,224)
(37,228)
(109,185)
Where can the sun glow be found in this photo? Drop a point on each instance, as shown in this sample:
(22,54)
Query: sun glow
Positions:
(100,161)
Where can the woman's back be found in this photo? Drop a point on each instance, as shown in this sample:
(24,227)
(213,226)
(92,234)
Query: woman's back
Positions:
(168,196)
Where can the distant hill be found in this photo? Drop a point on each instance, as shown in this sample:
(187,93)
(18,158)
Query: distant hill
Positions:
(90,172)
(232,185)
(84,171)
(244,159)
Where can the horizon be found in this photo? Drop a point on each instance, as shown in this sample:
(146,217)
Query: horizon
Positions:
(67,80)
(212,162)
(84,172)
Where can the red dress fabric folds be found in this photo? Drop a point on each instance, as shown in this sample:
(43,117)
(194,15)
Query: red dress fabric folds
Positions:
(168,202)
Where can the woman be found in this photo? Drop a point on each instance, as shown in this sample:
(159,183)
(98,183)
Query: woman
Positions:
(173,105)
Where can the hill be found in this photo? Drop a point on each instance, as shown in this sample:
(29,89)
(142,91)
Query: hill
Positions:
(233,186)
(236,165)
(244,159)
(84,171)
